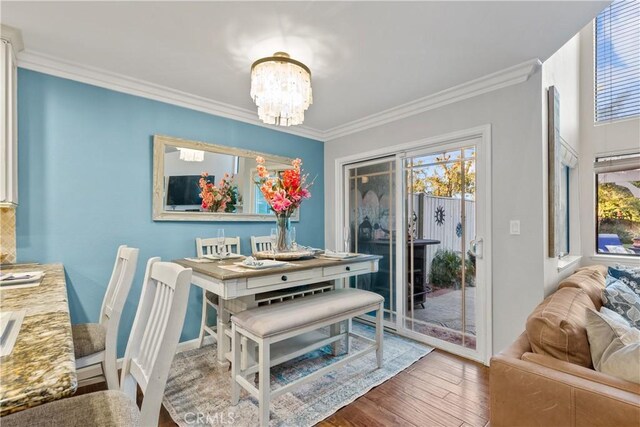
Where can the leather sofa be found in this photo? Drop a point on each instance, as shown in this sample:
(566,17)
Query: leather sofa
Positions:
(548,380)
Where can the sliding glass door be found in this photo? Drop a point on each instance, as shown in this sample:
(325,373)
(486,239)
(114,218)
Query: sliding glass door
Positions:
(439,196)
(370,222)
(424,211)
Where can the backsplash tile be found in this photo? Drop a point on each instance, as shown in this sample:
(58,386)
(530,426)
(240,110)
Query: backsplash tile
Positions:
(7,235)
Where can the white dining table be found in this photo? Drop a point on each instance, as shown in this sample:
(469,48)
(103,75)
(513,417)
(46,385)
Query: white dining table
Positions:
(240,288)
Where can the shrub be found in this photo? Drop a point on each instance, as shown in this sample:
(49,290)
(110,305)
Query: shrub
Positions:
(446,270)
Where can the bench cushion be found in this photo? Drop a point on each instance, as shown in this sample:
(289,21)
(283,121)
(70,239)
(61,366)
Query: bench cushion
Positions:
(286,316)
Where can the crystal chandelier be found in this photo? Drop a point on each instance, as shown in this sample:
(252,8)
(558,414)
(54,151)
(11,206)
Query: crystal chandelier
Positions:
(281,88)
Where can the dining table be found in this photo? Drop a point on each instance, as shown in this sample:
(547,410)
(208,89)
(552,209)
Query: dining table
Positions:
(41,365)
(240,288)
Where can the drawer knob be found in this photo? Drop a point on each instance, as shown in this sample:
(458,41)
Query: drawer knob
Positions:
(284,278)
(348,268)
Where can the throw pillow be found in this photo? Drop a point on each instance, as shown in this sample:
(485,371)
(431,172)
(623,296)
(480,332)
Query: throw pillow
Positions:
(612,315)
(615,348)
(621,299)
(627,275)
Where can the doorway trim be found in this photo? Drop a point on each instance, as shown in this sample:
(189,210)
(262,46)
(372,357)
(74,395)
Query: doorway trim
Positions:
(483,132)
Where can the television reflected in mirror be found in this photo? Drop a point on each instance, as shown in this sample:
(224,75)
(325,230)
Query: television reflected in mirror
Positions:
(182,168)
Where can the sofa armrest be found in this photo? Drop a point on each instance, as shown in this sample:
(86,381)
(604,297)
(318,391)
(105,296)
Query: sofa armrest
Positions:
(528,394)
(582,372)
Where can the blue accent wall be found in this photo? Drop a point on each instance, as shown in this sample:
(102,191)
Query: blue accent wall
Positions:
(85,182)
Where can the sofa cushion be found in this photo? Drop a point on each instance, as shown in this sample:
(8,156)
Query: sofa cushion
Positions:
(557,326)
(621,299)
(589,280)
(615,347)
(597,267)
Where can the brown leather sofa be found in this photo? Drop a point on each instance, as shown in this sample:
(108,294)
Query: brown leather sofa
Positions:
(548,380)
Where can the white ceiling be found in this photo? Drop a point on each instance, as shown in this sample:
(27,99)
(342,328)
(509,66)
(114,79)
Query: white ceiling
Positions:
(365,57)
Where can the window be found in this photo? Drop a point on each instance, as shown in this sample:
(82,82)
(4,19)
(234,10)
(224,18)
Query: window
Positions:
(618,205)
(617,61)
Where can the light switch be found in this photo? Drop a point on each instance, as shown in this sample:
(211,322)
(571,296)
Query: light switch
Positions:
(514,227)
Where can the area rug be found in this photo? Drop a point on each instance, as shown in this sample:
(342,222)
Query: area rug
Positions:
(197,391)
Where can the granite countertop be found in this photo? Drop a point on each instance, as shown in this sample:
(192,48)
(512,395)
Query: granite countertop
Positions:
(41,367)
(216,269)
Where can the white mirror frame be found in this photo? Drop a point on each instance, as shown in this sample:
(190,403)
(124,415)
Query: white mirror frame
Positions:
(159,214)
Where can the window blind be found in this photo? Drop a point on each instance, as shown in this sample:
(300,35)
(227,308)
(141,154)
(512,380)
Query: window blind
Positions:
(617,61)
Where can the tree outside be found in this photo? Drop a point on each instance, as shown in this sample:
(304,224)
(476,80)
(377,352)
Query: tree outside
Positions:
(619,211)
(444,179)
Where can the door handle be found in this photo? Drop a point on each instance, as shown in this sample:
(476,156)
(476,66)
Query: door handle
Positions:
(476,248)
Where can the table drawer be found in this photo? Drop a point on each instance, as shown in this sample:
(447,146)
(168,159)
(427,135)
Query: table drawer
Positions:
(281,278)
(346,268)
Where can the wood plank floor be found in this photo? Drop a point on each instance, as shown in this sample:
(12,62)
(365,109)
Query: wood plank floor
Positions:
(438,390)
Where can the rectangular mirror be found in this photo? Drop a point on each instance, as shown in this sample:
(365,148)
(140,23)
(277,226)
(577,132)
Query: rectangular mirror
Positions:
(178,167)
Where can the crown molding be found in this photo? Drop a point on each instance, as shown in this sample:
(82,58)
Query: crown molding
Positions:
(99,77)
(13,36)
(498,80)
(106,79)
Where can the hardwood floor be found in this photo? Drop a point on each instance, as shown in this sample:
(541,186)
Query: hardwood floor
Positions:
(438,390)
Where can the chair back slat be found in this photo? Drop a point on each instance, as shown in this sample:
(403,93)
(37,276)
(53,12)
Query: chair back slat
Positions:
(260,244)
(209,246)
(115,297)
(155,334)
(119,285)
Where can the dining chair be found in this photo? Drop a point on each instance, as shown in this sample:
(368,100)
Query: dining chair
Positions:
(147,360)
(260,244)
(208,246)
(95,344)
(209,299)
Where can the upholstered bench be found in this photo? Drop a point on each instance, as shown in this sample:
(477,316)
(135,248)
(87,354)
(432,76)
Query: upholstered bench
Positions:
(275,323)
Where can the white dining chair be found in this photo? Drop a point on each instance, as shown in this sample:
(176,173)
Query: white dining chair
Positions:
(209,299)
(260,244)
(208,246)
(147,360)
(96,344)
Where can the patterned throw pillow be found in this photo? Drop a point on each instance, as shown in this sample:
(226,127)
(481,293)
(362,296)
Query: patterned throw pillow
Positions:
(627,275)
(621,299)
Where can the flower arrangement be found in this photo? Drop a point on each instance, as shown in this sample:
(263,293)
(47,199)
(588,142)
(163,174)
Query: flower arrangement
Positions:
(218,198)
(283,192)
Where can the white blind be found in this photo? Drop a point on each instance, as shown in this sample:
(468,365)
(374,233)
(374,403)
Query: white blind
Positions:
(617,61)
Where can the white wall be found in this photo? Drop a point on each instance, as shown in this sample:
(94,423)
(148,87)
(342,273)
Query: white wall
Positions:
(596,140)
(514,113)
(562,70)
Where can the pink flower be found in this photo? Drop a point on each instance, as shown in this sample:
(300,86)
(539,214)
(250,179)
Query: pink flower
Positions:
(262,171)
(305,193)
(260,160)
(279,202)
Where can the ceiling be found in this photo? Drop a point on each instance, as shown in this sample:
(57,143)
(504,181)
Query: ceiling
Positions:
(365,57)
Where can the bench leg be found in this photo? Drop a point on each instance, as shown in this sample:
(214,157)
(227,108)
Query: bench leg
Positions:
(235,365)
(379,331)
(333,331)
(347,339)
(264,388)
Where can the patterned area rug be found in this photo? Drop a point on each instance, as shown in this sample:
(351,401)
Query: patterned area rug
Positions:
(197,391)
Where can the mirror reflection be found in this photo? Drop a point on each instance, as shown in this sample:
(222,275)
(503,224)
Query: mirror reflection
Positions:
(199,178)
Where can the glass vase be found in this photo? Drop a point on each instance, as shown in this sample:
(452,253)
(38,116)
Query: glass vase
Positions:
(283,223)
